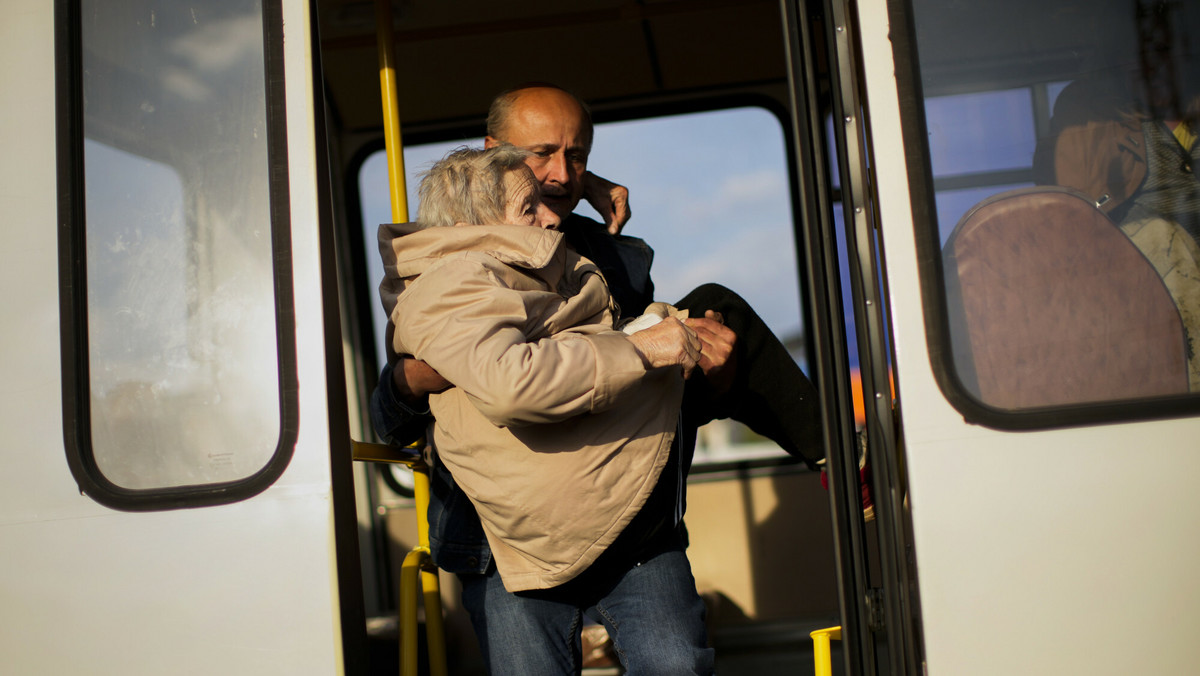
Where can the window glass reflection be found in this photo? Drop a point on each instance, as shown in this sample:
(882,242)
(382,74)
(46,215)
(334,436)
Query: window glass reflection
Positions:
(971,133)
(1062,141)
(180,293)
(954,204)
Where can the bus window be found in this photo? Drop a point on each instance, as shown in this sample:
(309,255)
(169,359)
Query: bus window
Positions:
(1063,206)
(179,322)
(709,192)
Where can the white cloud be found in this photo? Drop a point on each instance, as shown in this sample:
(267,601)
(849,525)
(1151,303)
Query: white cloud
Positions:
(752,186)
(206,55)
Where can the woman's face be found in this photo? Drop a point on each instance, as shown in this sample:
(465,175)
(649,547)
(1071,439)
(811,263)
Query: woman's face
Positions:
(523,201)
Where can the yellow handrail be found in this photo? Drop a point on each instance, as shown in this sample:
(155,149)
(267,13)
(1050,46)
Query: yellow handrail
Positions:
(391,111)
(822,663)
(418,560)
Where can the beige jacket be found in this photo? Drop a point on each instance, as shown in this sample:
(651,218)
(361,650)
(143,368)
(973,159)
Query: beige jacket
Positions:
(554,429)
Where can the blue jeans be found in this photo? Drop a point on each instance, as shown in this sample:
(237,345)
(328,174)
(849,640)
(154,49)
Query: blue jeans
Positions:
(650,608)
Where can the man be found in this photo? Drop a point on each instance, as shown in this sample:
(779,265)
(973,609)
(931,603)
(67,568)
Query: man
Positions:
(745,374)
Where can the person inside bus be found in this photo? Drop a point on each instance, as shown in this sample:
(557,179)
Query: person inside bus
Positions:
(1134,157)
(560,428)
(458,542)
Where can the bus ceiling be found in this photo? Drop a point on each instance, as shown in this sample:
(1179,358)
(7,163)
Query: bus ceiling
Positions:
(453,57)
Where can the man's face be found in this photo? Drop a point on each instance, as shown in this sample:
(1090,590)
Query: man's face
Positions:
(523,201)
(549,124)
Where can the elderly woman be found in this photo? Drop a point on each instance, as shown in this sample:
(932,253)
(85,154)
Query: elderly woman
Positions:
(559,426)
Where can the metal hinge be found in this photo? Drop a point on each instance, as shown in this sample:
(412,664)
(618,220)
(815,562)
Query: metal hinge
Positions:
(875,617)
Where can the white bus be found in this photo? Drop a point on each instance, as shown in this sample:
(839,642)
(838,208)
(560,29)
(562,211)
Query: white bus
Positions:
(947,208)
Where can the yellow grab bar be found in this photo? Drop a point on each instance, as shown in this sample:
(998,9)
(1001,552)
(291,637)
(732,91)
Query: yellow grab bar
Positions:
(393,144)
(418,560)
(822,664)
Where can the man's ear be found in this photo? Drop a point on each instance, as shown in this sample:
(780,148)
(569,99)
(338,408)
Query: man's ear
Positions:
(490,142)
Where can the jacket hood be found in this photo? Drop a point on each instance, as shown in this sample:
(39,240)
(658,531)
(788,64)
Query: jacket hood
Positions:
(410,249)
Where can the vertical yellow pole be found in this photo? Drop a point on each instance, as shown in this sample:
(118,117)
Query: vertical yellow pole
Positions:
(822,662)
(435,634)
(418,564)
(418,559)
(391,110)
(408,612)
(394,147)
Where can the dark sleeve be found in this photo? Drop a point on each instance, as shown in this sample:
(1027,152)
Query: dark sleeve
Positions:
(395,422)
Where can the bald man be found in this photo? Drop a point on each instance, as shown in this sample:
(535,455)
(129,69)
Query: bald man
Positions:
(651,608)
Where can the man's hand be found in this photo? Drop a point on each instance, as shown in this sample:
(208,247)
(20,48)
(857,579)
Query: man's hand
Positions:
(415,379)
(718,360)
(668,343)
(609,200)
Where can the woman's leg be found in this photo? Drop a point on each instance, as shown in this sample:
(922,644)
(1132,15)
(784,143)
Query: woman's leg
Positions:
(770,394)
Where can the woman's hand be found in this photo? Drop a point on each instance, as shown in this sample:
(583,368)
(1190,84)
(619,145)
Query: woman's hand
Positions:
(668,343)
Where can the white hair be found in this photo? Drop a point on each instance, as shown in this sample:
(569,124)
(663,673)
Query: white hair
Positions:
(467,186)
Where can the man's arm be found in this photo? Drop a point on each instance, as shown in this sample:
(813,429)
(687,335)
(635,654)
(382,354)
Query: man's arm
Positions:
(609,200)
(718,360)
(415,380)
(400,403)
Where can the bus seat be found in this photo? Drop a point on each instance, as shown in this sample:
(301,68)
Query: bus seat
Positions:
(1051,304)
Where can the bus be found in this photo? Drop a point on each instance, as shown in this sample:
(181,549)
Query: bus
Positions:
(974,225)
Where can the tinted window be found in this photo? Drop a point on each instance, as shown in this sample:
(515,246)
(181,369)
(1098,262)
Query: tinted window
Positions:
(1065,208)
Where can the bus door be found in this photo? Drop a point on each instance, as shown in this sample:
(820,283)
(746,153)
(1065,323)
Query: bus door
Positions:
(854,363)
(167,503)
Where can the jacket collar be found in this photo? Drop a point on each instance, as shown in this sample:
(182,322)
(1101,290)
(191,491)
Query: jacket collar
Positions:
(416,247)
